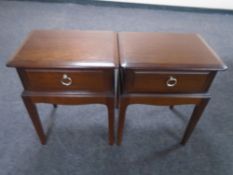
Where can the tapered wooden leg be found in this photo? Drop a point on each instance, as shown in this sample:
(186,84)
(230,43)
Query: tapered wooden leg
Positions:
(55,105)
(197,112)
(32,111)
(117,89)
(117,98)
(121,121)
(111,108)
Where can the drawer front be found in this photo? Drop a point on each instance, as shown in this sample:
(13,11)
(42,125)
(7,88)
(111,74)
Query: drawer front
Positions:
(167,82)
(68,80)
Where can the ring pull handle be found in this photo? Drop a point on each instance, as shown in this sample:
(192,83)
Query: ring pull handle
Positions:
(66,80)
(171,82)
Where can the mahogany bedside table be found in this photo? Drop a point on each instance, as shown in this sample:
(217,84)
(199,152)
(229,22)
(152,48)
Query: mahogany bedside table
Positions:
(166,69)
(67,67)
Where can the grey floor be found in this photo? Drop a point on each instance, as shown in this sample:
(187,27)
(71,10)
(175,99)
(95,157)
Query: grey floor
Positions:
(77,142)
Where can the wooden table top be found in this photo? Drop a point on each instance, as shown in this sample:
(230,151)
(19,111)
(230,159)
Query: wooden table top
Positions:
(67,49)
(167,51)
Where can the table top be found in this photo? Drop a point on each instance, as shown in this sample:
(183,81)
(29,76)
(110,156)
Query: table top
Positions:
(67,49)
(167,51)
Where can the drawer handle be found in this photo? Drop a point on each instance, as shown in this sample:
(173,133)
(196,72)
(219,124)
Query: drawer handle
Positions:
(171,82)
(66,80)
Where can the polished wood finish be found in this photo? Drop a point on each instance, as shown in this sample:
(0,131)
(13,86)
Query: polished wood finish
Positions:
(82,80)
(68,67)
(198,110)
(167,51)
(165,69)
(32,111)
(67,49)
(154,81)
(161,100)
(73,67)
(67,98)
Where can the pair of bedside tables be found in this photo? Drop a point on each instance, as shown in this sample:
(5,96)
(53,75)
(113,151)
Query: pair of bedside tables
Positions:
(78,67)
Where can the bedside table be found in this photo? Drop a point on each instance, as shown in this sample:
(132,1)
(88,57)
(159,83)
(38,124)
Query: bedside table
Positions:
(68,67)
(166,69)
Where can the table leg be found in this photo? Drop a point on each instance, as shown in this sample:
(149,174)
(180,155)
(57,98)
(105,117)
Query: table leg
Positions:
(196,115)
(55,105)
(32,111)
(122,110)
(110,106)
(117,89)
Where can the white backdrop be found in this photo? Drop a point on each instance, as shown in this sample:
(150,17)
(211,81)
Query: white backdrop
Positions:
(212,4)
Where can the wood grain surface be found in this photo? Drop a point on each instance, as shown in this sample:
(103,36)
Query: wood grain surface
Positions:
(167,51)
(67,49)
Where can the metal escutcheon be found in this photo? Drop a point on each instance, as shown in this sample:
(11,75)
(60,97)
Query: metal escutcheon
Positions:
(171,82)
(66,80)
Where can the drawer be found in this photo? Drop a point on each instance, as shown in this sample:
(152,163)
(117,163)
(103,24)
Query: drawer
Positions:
(68,80)
(167,82)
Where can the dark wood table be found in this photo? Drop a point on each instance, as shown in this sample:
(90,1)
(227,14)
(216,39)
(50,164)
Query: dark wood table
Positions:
(67,67)
(166,69)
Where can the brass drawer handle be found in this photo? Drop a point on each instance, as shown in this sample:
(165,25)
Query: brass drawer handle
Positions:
(171,82)
(66,80)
